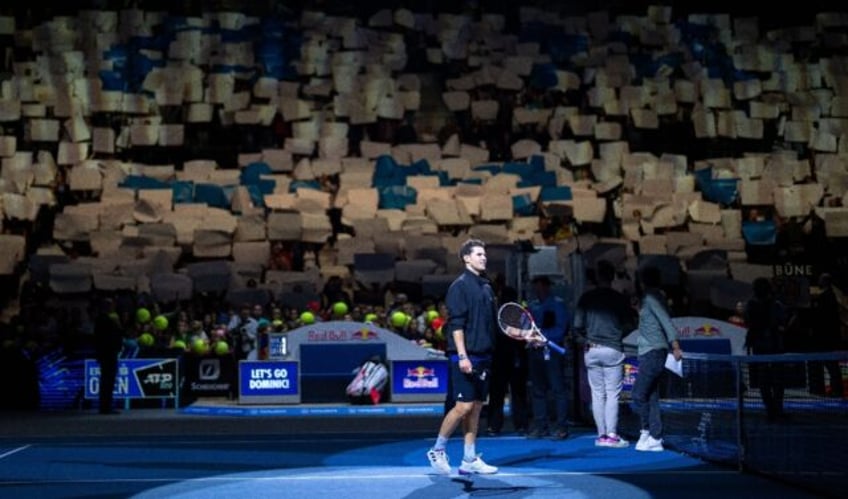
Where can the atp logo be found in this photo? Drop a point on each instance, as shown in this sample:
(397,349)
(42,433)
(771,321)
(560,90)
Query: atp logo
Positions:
(157,380)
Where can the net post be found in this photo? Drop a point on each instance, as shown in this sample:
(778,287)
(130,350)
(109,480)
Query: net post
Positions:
(177,385)
(740,419)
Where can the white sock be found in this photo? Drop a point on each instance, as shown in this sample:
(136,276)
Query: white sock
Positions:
(441,443)
(470,453)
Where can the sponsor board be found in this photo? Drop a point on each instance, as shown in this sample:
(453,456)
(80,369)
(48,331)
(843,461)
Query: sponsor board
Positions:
(137,378)
(269,381)
(419,380)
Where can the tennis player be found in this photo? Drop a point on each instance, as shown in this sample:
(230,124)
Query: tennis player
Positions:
(471,340)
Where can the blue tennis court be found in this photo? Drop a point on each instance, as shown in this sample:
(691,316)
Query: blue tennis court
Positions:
(144,453)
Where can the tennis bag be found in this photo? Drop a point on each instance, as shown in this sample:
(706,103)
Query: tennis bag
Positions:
(368,382)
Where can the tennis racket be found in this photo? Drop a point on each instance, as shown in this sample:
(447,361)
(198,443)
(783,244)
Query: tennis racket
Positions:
(516,322)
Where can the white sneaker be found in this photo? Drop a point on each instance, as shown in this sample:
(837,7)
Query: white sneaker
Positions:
(651,445)
(643,437)
(477,466)
(439,461)
(611,440)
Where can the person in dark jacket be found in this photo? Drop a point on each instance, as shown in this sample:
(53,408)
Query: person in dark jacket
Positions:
(827,337)
(766,319)
(471,341)
(509,372)
(108,341)
(546,371)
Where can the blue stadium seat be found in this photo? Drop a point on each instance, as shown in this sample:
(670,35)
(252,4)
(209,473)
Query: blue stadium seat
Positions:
(759,233)
(561,193)
(183,191)
(397,197)
(212,195)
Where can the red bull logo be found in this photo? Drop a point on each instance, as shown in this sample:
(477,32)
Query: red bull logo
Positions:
(707,330)
(364,334)
(421,377)
(630,373)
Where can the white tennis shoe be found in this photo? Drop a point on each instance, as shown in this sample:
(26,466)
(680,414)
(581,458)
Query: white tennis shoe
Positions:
(439,461)
(643,438)
(650,444)
(477,466)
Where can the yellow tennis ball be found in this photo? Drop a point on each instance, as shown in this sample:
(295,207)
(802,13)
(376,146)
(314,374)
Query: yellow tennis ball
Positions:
(431,315)
(180,344)
(142,315)
(200,347)
(146,340)
(398,319)
(340,308)
(160,322)
(222,348)
(371,317)
(307,318)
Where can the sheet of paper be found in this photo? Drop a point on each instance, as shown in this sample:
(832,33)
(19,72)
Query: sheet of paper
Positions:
(673,365)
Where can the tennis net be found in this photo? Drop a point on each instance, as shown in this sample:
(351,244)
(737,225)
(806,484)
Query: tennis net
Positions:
(797,434)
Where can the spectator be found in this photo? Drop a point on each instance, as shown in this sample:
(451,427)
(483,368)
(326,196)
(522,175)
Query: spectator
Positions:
(738,316)
(827,337)
(509,372)
(767,321)
(242,329)
(602,319)
(196,332)
(334,292)
(108,340)
(546,371)
(656,334)
(281,259)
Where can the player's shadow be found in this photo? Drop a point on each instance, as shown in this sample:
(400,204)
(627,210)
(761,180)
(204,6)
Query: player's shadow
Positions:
(477,486)
(496,487)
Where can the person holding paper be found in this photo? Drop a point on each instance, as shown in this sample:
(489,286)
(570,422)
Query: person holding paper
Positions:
(656,335)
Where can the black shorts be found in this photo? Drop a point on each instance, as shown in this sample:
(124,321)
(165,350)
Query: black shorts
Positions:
(473,386)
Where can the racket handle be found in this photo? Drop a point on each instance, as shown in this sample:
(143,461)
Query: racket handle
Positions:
(553,346)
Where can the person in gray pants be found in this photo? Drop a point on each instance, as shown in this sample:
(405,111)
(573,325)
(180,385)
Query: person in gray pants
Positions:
(602,319)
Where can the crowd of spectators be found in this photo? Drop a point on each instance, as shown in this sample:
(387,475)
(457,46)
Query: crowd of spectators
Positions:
(40,320)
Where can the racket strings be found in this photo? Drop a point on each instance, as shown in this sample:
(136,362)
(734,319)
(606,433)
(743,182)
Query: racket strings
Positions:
(514,320)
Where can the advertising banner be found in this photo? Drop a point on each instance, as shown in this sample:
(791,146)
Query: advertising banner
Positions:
(269,382)
(208,376)
(419,380)
(137,378)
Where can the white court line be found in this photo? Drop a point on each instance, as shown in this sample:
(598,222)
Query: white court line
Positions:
(265,440)
(14,451)
(359,476)
(223,442)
